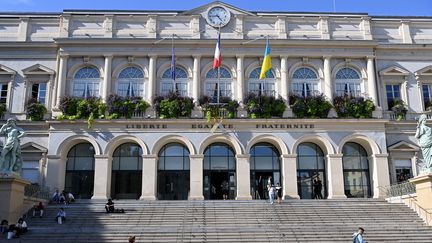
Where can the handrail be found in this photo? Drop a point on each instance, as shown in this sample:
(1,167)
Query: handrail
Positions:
(37,191)
(395,190)
(422,212)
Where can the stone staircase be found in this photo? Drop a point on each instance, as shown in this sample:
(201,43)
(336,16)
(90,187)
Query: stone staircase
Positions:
(231,221)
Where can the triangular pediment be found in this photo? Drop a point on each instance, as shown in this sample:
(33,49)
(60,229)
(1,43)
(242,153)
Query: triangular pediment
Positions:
(394,71)
(37,69)
(33,147)
(6,71)
(204,8)
(403,146)
(426,71)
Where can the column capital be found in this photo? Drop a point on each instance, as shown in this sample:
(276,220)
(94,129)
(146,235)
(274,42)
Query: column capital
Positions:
(242,156)
(101,156)
(197,55)
(283,56)
(53,156)
(153,55)
(149,156)
(287,156)
(327,57)
(240,55)
(110,55)
(379,156)
(370,57)
(334,156)
(64,55)
(196,156)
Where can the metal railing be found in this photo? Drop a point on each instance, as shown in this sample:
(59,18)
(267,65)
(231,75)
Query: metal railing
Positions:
(407,117)
(425,214)
(37,191)
(401,189)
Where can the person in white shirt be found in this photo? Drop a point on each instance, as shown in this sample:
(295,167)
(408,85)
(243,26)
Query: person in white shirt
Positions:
(20,227)
(358,237)
(61,214)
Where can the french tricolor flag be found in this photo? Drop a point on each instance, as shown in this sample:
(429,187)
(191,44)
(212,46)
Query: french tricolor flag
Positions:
(217,62)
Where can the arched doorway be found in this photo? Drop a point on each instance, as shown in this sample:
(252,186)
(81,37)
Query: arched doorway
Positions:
(126,180)
(264,162)
(173,172)
(311,174)
(79,178)
(356,171)
(219,170)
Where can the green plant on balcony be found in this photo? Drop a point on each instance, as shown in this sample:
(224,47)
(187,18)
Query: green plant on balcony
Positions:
(399,108)
(314,106)
(261,106)
(35,110)
(173,105)
(355,107)
(125,107)
(89,108)
(215,110)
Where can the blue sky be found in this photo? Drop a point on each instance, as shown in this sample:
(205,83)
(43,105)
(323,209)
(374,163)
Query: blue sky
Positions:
(373,7)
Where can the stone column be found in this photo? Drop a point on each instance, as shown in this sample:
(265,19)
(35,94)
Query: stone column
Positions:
(152,78)
(335,176)
(61,79)
(328,86)
(107,78)
(240,78)
(102,177)
(284,78)
(380,174)
(289,176)
(372,88)
(243,177)
(55,172)
(149,178)
(196,177)
(196,77)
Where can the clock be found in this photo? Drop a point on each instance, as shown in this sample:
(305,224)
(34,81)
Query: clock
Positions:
(218,16)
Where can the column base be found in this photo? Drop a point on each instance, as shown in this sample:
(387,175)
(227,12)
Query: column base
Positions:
(337,197)
(288,113)
(286,197)
(148,198)
(332,113)
(198,198)
(245,197)
(197,113)
(377,113)
(99,198)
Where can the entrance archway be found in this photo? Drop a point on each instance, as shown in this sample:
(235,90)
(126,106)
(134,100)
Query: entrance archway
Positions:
(219,172)
(79,177)
(127,172)
(173,172)
(264,162)
(356,171)
(311,174)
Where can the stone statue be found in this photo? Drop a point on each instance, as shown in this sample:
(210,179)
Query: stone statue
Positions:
(424,138)
(10,159)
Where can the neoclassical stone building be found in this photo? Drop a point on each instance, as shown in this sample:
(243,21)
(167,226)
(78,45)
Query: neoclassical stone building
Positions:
(84,53)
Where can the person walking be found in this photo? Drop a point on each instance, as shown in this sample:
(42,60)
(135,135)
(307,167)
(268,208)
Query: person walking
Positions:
(272,193)
(317,186)
(279,193)
(358,236)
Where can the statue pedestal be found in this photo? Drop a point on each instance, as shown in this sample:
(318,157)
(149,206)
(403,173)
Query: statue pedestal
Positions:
(423,184)
(12,198)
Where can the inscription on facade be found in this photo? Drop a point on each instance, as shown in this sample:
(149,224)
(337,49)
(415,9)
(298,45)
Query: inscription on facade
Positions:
(226,126)
(285,126)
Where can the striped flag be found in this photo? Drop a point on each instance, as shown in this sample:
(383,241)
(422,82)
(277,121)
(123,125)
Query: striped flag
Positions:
(173,65)
(217,62)
(267,63)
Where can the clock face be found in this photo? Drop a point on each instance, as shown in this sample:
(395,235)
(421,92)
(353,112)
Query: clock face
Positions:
(218,16)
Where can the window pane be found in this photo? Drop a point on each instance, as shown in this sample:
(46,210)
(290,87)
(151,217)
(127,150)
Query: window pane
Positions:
(83,163)
(128,163)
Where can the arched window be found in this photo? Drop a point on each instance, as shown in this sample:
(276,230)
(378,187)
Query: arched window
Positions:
(356,171)
(173,172)
(262,86)
(80,165)
(131,82)
(86,82)
(215,87)
(311,180)
(219,172)
(305,82)
(179,84)
(264,162)
(126,176)
(348,82)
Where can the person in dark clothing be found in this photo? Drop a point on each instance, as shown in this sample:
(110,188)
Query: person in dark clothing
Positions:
(317,188)
(109,206)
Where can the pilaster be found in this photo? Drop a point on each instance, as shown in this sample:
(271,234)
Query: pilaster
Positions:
(366,28)
(102,177)
(196,177)
(380,174)
(23,29)
(196,77)
(281,27)
(372,89)
(243,177)
(61,79)
(239,26)
(152,78)
(328,87)
(405,31)
(149,178)
(289,176)
(324,27)
(152,26)
(107,77)
(108,26)
(55,172)
(335,176)
(240,78)
(65,20)
(195,27)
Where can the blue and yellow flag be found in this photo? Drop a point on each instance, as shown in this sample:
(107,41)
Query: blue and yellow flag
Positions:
(267,63)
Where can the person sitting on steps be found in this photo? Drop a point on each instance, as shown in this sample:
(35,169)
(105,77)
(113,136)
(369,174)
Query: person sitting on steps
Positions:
(109,206)
(40,208)
(61,214)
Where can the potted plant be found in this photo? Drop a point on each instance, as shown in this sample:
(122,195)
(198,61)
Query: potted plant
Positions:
(173,105)
(355,107)
(214,110)
(399,108)
(125,107)
(89,108)
(314,106)
(261,106)
(35,110)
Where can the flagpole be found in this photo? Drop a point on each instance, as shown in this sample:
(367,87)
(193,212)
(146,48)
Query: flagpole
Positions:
(218,74)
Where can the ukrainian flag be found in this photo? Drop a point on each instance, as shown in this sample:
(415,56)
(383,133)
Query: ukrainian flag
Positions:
(267,63)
